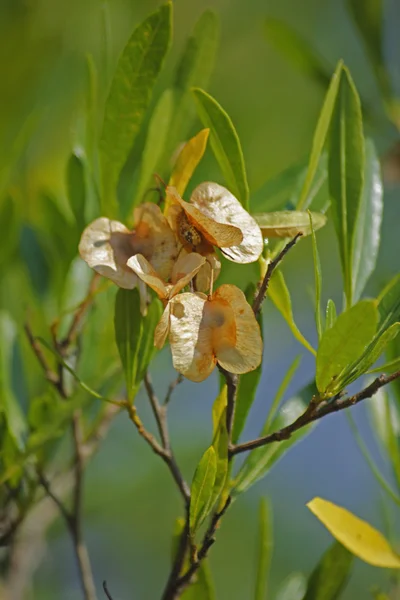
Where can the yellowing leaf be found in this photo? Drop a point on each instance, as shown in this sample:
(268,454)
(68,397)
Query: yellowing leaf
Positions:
(187,161)
(288,223)
(355,534)
(280,296)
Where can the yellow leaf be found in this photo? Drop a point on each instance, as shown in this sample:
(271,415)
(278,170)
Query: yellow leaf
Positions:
(187,161)
(356,535)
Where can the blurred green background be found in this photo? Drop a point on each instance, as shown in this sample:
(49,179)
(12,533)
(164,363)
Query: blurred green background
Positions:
(130,502)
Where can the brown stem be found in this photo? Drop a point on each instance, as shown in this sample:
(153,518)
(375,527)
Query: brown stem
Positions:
(181,583)
(171,389)
(164,452)
(259,299)
(315,411)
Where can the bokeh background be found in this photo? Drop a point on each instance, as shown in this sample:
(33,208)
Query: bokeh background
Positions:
(130,502)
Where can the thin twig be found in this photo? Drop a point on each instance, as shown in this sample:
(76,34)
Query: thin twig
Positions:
(208,541)
(232,382)
(170,591)
(159,412)
(106,591)
(49,373)
(82,555)
(164,453)
(315,411)
(271,268)
(172,386)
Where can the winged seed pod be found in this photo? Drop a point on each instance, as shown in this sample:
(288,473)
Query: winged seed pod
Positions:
(214,217)
(107,245)
(206,330)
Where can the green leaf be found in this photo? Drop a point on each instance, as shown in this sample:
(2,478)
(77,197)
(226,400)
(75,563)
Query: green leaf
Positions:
(202,489)
(260,461)
(194,70)
(330,314)
(157,135)
(375,470)
(280,296)
(265,545)
(297,50)
(129,97)
(288,223)
(293,588)
(9,405)
(76,189)
(344,343)
(368,18)
(368,227)
(317,277)
(128,333)
(134,335)
(279,394)
(320,135)
(373,352)
(218,408)
(388,367)
(225,144)
(346,173)
(248,383)
(330,576)
(220,445)
(389,304)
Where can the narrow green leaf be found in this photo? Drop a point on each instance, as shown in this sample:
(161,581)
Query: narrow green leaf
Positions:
(76,189)
(218,408)
(330,576)
(129,97)
(202,489)
(293,588)
(344,343)
(320,135)
(147,350)
(9,406)
(297,50)
(248,383)
(279,394)
(260,461)
(388,367)
(389,304)
(330,314)
(74,374)
(288,223)
(368,227)
(280,296)
(220,444)
(155,142)
(346,173)
(317,277)
(225,144)
(265,545)
(376,472)
(92,111)
(128,333)
(373,351)
(194,70)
